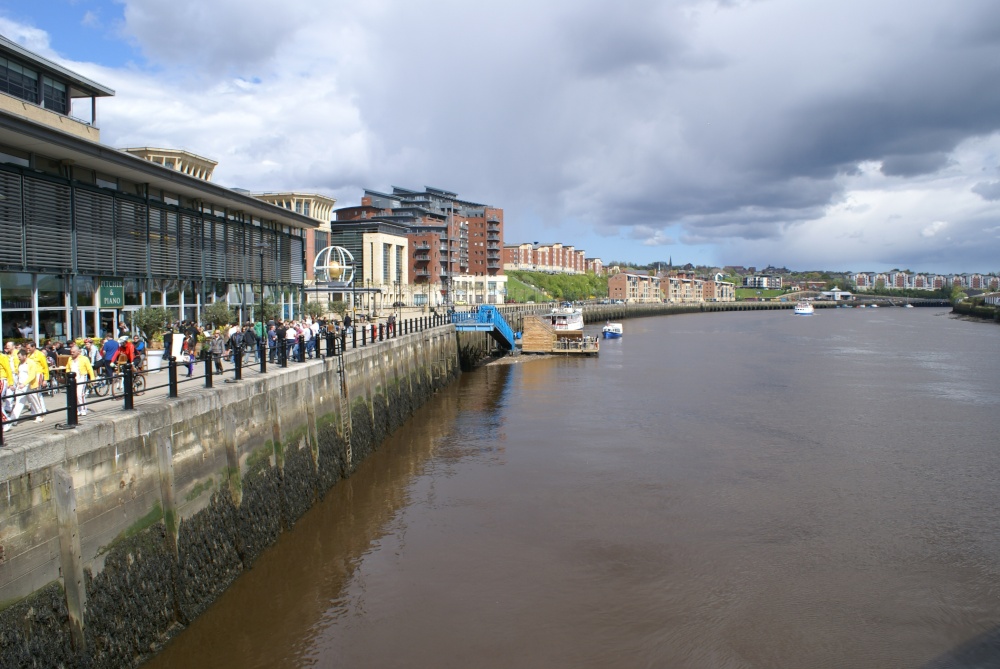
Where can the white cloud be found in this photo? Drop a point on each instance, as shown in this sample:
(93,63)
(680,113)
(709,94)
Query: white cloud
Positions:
(934,228)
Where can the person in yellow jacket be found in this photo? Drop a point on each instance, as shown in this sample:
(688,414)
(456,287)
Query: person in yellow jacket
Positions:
(38,357)
(80,365)
(6,371)
(29,377)
(6,380)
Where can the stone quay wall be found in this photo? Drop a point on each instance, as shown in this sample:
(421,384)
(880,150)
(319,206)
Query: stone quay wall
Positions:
(118,534)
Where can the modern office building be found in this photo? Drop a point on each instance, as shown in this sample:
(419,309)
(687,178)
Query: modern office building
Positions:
(381,267)
(89,233)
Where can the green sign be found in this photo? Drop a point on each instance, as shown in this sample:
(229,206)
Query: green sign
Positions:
(112,293)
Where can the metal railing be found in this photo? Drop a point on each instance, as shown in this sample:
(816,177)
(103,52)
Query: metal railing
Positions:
(129,383)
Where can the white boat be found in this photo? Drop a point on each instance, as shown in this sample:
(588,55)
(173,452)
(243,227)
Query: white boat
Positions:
(804,309)
(907,306)
(566,318)
(612,330)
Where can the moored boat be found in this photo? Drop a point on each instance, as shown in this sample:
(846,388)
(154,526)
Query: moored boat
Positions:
(566,319)
(804,309)
(613,330)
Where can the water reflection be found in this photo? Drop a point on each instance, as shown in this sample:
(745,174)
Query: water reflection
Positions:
(276,614)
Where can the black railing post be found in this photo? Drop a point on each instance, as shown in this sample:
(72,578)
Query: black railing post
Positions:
(364,336)
(302,348)
(283,352)
(354,337)
(263,353)
(381,332)
(208,370)
(129,398)
(329,343)
(71,405)
(171,376)
(238,363)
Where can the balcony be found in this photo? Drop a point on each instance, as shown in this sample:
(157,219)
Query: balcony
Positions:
(422,257)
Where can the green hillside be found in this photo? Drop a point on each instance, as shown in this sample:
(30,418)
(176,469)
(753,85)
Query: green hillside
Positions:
(542,287)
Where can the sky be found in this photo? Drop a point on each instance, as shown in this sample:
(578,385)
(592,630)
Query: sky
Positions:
(857,135)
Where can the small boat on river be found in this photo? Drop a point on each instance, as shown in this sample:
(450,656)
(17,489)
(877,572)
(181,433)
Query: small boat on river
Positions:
(566,319)
(803,308)
(612,330)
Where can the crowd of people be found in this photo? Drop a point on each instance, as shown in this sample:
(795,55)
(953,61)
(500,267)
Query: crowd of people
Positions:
(27,373)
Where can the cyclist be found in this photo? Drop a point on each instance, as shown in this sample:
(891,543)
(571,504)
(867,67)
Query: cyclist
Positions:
(126,352)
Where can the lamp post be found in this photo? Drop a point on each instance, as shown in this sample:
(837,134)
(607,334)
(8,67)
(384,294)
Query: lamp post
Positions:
(262,340)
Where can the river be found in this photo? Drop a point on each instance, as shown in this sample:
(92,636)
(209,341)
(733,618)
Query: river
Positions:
(747,489)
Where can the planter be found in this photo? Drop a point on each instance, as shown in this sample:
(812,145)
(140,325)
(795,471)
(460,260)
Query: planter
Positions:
(153,359)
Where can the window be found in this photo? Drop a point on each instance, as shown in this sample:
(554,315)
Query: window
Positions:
(54,96)
(19,81)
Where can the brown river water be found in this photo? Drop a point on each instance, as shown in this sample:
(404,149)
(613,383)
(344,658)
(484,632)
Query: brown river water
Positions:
(715,490)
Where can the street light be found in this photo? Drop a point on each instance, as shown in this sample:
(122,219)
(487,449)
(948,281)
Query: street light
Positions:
(262,339)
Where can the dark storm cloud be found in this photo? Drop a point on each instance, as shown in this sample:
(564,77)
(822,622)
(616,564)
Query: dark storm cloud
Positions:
(987,190)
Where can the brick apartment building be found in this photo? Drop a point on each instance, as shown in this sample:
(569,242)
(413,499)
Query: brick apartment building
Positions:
(455,245)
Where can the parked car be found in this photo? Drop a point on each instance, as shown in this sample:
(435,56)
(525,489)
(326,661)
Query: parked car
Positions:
(399,304)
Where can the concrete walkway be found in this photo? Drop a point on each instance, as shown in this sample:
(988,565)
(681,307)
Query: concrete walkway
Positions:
(100,408)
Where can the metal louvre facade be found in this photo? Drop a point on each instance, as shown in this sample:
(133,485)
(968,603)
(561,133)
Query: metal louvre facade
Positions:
(50,225)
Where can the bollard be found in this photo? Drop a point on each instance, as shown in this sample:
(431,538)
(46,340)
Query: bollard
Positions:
(263,348)
(171,376)
(364,334)
(354,337)
(129,397)
(238,362)
(302,348)
(208,371)
(71,407)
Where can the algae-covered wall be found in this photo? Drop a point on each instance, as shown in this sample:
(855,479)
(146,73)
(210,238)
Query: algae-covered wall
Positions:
(116,535)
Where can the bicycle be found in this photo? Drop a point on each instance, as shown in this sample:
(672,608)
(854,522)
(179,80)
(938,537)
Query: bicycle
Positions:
(138,384)
(100,386)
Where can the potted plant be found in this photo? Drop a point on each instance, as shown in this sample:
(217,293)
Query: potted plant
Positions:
(151,323)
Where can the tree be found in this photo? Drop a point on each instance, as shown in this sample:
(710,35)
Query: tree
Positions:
(338,307)
(269,311)
(152,321)
(314,310)
(218,314)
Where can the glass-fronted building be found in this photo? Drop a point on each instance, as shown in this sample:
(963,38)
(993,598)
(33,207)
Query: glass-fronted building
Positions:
(89,233)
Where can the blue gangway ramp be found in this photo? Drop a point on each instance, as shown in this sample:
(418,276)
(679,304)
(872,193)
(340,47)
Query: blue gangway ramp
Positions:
(486,318)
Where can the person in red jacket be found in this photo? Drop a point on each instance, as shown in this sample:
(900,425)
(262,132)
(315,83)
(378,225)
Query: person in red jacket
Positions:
(126,352)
